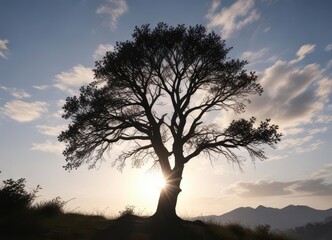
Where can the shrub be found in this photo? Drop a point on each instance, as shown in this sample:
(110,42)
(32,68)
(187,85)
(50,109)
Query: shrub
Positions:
(129,210)
(263,229)
(50,208)
(14,197)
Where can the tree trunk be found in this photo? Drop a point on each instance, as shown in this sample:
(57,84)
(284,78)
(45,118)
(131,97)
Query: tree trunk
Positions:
(166,209)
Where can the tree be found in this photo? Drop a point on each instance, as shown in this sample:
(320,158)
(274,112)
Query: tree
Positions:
(155,93)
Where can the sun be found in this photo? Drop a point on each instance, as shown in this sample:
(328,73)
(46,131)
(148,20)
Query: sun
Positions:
(152,183)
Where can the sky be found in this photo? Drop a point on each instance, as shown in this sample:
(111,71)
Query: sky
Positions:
(48,49)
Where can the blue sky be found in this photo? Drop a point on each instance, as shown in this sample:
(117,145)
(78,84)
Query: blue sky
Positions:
(48,50)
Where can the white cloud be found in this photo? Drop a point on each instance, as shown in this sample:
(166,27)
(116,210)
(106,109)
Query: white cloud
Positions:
(276,157)
(101,50)
(49,146)
(233,18)
(24,111)
(58,114)
(267,29)
(252,56)
(329,64)
(73,79)
(3,48)
(303,51)
(328,47)
(312,147)
(324,119)
(317,130)
(16,93)
(291,95)
(20,94)
(41,87)
(294,142)
(293,131)
(326,171)
(324,89)
(300,144)
(51,130)
(113,9)
(60,102)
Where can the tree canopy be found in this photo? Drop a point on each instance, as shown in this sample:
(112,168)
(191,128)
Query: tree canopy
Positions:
(156,93)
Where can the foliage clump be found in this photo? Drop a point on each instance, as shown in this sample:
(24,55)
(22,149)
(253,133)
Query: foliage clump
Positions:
(129,210)
(14,196)
(49,208)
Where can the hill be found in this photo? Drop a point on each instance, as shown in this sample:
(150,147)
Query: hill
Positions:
(282,219)
(317,231)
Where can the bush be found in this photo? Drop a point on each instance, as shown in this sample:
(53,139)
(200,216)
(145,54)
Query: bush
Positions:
(129,210)
(14,197)
(50,208)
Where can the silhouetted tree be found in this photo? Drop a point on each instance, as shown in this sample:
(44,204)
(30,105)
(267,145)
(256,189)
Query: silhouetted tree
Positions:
(155,93)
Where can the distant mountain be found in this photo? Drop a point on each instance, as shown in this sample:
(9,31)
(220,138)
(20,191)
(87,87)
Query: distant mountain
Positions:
(285,218)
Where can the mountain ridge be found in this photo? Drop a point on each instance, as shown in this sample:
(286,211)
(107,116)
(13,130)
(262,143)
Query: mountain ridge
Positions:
(290,216)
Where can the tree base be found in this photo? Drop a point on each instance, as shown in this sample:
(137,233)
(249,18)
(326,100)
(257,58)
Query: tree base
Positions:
(166,218)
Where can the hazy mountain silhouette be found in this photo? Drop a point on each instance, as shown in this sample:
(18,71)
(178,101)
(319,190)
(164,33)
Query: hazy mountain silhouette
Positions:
(285,218)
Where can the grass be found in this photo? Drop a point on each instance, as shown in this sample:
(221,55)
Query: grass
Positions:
(21,219)
(133,227)
(38,225)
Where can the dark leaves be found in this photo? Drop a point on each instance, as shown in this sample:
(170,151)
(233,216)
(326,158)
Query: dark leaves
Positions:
(183,68)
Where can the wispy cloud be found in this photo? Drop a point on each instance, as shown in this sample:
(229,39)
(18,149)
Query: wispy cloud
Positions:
(317,130)
(267,29)
(276,157)
(49,146)
(51,130)
(325,172)
(113,9)
(4,51)
(324,89)
(58,114)
(302,144)
(328,47)
(324,118)
(252,56)
(20,94)
(41,87)
(293,131)
(233,18)
(302,52)
(294,142)
(23,111)
(311,147)
(101,50)
(16,93)
(73,79)
(329,64)
(315,185)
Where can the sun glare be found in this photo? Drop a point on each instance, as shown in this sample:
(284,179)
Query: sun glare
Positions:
(152,183)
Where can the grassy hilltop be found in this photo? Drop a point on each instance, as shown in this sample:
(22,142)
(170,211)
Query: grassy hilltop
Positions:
(22,218)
